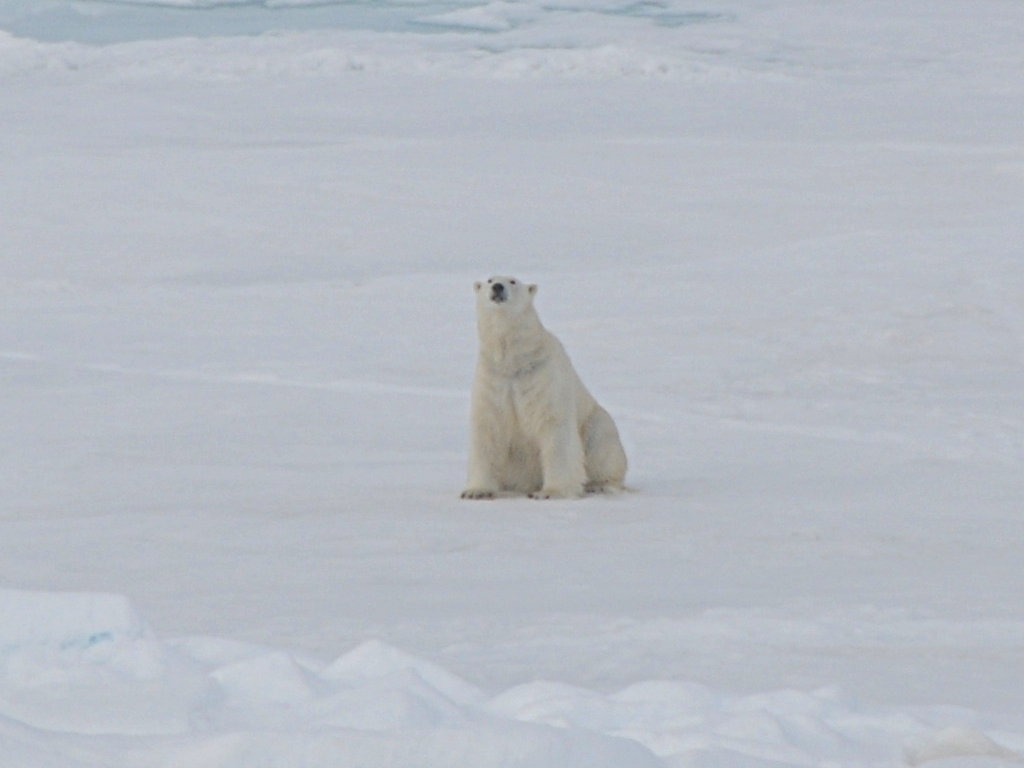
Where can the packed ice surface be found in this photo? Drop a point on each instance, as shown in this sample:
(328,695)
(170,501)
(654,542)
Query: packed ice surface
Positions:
(112,21)
(780,240)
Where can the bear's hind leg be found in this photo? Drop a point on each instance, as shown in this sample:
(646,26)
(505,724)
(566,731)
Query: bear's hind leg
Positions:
(605,459)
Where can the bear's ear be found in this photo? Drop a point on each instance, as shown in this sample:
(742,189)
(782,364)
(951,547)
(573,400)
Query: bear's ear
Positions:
(533,289)
(477,285)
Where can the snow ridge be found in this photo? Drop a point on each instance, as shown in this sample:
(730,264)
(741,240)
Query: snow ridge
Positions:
(86,669)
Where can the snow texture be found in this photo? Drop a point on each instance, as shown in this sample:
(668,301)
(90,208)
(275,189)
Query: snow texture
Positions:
(782,242)
(85,683)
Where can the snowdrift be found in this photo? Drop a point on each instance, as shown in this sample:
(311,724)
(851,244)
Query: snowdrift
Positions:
(84,682)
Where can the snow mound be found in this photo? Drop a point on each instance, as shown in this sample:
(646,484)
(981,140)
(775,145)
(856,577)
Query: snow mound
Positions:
(87,670)
(375,660)
(84,682)
(67,621)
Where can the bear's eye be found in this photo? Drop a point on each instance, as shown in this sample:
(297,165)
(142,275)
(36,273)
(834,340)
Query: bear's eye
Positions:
(512,281)
(490,280)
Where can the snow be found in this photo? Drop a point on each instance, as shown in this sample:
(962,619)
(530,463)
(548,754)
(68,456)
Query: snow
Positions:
(112,692)
(781,241)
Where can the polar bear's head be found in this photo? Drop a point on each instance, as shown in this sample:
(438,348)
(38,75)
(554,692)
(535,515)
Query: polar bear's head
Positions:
(504,293)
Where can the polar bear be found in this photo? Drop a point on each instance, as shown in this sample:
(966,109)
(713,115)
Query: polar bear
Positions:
(534,427)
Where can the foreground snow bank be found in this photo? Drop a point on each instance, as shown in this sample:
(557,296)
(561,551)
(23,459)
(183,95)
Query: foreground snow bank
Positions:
(84,682)
(83,669)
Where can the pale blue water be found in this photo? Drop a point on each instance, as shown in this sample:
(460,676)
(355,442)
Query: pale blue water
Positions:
(110,21)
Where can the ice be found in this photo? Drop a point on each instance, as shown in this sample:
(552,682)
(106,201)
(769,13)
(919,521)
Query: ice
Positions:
(275,678)
(215,703)
(375,660)
(103,23)
(490,17)
(780,240)
(248,707)
(99,22)
(958,745)
(65,621)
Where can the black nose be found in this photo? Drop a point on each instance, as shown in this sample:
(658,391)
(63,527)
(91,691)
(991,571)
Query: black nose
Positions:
(498,291)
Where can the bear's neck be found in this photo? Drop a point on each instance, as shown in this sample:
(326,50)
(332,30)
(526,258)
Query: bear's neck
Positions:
(512,344)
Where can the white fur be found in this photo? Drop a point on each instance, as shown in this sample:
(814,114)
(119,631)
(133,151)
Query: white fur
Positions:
(535,429)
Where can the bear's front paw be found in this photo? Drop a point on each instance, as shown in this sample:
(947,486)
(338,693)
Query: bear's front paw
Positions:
(478,493)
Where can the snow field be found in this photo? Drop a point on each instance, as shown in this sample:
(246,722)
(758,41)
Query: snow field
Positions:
(781,244)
